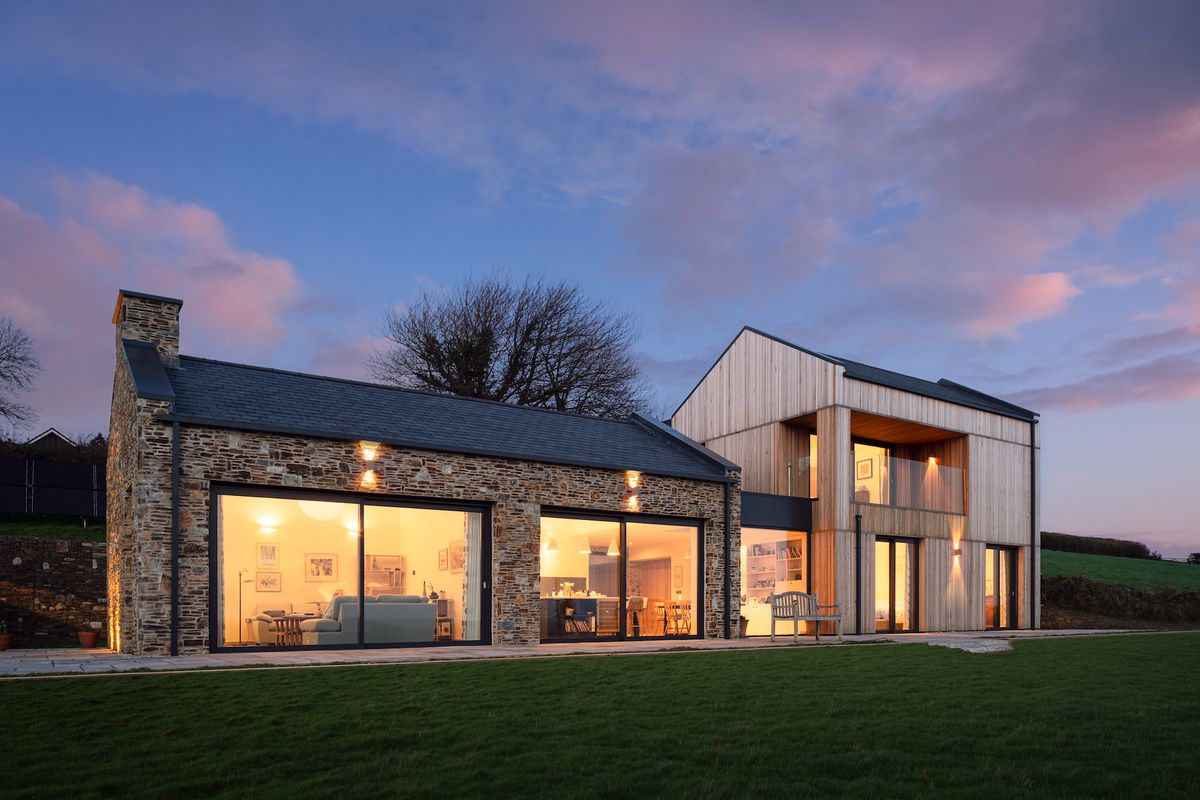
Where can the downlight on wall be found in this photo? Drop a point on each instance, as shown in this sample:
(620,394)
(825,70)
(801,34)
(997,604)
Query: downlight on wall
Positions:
(633,479)
(369,452)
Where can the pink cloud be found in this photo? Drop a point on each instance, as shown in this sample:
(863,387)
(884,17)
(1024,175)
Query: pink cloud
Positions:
(1015,302)
(1164,379)
(62,277)
(183,250)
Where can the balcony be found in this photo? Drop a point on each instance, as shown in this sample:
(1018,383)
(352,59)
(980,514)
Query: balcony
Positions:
(904,483)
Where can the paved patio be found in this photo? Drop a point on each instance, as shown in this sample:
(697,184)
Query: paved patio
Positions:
(78,662)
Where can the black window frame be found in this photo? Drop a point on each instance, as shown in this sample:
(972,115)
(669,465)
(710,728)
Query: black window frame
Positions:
(623,519)
(218,490)
(1010,552)
(916,590)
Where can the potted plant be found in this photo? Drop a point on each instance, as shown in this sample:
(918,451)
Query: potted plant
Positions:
(5,636)
(88,639)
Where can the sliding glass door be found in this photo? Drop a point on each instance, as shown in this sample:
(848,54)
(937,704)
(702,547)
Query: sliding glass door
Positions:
(1000,587)
(896,581)
(306,570)
(619,578)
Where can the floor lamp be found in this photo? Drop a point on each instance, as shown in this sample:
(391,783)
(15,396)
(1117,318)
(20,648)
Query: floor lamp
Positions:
(241,619)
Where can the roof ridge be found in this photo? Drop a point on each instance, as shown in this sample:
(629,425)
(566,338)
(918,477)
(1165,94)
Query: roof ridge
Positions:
(404,389)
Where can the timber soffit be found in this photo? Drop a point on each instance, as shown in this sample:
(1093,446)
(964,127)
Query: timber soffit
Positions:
(944,390)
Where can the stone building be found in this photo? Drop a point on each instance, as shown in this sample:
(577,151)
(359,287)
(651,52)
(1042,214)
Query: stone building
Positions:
(250,507)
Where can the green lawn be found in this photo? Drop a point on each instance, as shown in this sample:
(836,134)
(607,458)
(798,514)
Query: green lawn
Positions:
(1135,572)
(1108,716)
(52,527)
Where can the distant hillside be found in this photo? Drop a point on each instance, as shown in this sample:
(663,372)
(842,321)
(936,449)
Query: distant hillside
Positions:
(1096,545)
(1137,573)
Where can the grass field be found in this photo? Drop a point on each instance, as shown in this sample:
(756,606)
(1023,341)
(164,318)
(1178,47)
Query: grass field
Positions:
(1107,716)
(1135,572)
(52,528)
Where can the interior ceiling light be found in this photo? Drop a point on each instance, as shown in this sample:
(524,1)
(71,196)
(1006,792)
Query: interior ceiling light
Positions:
(319,510)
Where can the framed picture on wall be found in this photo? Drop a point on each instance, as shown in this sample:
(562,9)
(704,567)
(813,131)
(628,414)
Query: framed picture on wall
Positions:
(268,582)
(864,469)
(268,555)
(678,575)
(443,559)
(320,567)
(458,555)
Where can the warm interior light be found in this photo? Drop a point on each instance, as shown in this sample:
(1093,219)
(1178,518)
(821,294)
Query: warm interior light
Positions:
(633,478)
(585,546)
(369,479)
(933,461)
(266,530)
(369,450)
(551,544)
(320,511)
(634,503)
(613,550)
(352,533)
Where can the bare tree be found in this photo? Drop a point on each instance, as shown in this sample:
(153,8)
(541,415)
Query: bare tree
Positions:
(18,365)
(533,344)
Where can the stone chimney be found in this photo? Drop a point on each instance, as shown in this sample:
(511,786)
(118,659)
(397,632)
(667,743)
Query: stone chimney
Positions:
(149,318)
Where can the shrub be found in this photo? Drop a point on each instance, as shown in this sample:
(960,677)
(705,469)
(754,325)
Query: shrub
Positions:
(1113,600)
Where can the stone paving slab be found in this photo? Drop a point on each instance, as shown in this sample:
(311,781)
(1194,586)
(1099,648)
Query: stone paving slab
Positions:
(74,661)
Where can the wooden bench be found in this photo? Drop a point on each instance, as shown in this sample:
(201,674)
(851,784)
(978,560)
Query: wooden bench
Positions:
(800,607)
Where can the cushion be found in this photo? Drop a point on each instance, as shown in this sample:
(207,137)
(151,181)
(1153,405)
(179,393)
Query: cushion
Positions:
(264,617)
(320,624)
(401,598)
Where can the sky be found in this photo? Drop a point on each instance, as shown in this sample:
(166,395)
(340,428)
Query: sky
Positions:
(1003,194)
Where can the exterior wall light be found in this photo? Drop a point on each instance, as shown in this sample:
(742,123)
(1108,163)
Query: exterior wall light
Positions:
(957,551)
(634,503)
(370,450)
(933,461)
(633,478)
(369,479)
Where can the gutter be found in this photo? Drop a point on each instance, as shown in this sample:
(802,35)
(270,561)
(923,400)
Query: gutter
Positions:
(857,573)
(175,538)
(1033,526)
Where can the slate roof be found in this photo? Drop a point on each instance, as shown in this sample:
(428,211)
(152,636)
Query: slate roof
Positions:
(245,397)
(943,389)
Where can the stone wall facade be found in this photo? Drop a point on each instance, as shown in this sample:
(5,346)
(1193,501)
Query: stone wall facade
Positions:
(516,491)
(51,589)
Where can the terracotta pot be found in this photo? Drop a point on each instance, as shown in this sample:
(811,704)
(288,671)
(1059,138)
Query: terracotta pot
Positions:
(88,639)
(5,640)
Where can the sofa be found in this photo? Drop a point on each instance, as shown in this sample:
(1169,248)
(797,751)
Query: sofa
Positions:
(386,618)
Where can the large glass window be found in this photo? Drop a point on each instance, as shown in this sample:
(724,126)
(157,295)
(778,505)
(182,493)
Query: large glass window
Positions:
(660,576)
(1000,589)
(872,474)
(298,572)
(895,585)
(772,562)
(603,578)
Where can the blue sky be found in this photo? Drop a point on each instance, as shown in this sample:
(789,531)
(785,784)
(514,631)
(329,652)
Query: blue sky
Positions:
(1005,196)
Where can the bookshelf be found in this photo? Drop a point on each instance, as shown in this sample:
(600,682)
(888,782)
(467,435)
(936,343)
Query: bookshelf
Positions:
(774,566)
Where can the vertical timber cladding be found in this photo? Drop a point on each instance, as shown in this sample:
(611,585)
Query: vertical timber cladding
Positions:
(759,383)
(833,528)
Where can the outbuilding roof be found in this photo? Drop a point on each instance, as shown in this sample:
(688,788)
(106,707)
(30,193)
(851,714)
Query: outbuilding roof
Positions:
(239,396)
